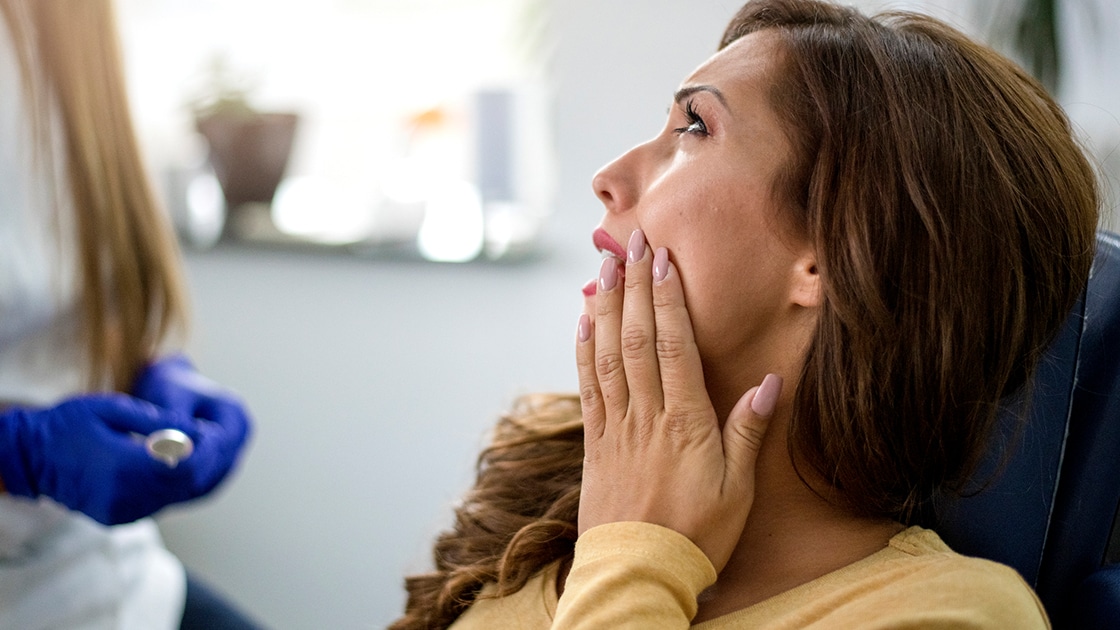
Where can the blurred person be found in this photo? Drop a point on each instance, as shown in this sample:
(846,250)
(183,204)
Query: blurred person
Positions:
(852,239)
(91,295)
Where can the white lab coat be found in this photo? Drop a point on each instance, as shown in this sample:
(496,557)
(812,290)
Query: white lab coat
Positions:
(58,569)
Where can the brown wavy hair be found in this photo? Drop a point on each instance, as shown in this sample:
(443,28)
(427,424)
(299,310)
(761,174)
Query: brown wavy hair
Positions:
(519,517)
(953,217)
(132,294)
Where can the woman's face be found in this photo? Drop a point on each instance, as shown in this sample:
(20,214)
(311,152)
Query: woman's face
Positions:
(704,188)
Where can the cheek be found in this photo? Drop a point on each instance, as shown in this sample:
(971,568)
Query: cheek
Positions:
(716,289)
(686,190)
(735,283)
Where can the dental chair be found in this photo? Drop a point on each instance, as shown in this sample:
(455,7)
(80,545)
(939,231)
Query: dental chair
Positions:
(1050,492)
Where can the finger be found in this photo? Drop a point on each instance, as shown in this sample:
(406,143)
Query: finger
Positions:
(216,454)
(682,375)
(639,356)
(227,415)
(590,398)
(176,362)
(126,414)
(744,431)
(609,368)
(156,372)
(174,384)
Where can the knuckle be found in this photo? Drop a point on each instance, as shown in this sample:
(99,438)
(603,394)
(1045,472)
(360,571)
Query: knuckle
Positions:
(588,396)
(635,342)
(633,280)
(678,424)
(608,366)
(665,300)
(604,308)
(671,346)
(639,424)
(643,432)
(752,436)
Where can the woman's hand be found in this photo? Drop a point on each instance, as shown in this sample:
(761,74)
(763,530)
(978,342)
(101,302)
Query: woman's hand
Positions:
(654,449)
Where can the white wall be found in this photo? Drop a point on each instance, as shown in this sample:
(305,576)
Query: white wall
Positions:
(373,382)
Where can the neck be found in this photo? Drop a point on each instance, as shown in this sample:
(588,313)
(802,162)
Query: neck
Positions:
(792,535)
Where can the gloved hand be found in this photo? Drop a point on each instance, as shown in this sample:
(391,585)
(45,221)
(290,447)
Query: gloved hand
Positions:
(173,383)
(84,454)
(222,424)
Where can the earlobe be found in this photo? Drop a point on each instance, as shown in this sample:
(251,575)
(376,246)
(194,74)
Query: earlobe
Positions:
(805,290)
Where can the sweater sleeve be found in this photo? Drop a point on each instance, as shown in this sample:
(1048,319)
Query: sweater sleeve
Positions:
(633,575)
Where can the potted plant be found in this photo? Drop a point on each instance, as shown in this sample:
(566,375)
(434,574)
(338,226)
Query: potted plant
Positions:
(248,149)
(1036,38)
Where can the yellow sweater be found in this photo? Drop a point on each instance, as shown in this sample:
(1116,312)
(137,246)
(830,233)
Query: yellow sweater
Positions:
(637,575)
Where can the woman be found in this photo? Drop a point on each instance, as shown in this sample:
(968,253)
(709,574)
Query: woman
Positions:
(876,223)
(90,292)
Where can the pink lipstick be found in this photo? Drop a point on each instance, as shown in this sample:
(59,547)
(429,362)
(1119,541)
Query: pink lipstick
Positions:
(606,243)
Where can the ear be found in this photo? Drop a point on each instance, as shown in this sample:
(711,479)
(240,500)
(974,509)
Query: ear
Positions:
(805,285)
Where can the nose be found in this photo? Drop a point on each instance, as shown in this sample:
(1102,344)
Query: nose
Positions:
(616,184)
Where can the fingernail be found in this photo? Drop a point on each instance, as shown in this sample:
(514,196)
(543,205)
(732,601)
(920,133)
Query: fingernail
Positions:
(660,264)
(766,398)
(637,247)
(608,274)
(583,330)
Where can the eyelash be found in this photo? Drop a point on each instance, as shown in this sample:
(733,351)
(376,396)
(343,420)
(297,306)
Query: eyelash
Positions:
(696,124)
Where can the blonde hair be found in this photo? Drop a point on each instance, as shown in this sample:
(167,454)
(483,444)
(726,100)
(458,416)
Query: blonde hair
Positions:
(131,291)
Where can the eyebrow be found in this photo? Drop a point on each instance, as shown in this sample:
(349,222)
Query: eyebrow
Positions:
(688,91)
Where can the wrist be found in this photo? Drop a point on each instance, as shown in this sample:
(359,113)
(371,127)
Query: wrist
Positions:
(14,477)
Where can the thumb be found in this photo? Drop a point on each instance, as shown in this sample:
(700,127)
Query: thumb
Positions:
(746,427)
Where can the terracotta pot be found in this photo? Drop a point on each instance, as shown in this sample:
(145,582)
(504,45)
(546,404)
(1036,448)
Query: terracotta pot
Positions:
(249,153)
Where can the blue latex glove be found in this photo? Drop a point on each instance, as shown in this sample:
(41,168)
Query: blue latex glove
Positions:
(84,454)
(222,424)
(174,384)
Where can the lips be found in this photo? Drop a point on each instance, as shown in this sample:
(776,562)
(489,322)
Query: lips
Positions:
(606,243)
(607,246)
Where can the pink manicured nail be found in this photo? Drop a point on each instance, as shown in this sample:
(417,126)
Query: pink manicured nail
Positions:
(583,330)
(766,398)
(608,273)
(660,264)
(637,247)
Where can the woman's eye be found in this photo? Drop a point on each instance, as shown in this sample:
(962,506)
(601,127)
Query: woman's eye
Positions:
(696,124)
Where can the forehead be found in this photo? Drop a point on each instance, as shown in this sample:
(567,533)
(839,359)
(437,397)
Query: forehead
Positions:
(743,66)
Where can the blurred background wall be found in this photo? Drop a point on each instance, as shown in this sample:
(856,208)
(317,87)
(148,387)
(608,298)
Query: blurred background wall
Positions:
(374,382)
